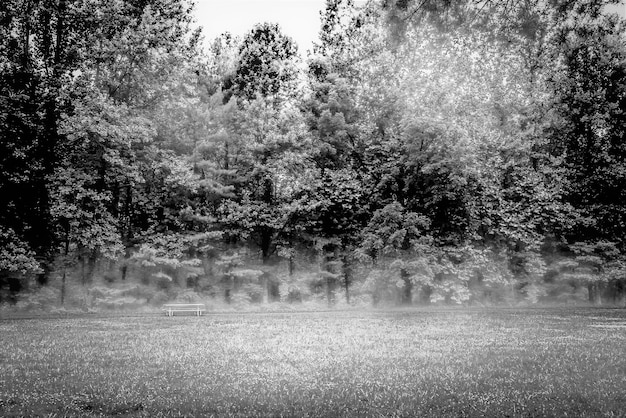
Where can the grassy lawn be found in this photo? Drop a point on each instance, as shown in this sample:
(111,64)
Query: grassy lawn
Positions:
(540,362)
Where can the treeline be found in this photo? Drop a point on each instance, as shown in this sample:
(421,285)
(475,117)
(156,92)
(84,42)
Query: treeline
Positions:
(423,151)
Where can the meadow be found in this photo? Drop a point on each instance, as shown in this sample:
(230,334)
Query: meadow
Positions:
(491,362)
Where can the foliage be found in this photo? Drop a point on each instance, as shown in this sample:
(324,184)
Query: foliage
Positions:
(15,256)
(266,66)
(427,151)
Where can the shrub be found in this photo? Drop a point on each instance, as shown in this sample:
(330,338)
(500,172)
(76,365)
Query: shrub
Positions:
(188,296)
(159,298)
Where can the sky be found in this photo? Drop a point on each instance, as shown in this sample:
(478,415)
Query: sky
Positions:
(299,19)
(619,8)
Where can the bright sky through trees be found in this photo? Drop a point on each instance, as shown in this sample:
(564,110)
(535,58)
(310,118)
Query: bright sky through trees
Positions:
(619,9)
(298,19)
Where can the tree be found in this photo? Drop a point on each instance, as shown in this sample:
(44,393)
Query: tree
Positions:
(99,69)
(393,238)
(458,135)
(37,59)
(461,149)
(333,211)
(589,99)
(267,172)
(266,65)
(271,136)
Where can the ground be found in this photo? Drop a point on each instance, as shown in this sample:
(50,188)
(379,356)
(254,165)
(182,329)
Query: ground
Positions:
(491,362)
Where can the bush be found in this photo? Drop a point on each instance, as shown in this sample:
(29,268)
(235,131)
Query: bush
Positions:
(188,296)
(127,296)
(139,292)
(159,298)
(241,300)
(126,302)
(43,298)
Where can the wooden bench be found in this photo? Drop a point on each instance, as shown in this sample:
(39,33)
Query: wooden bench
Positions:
(170,308)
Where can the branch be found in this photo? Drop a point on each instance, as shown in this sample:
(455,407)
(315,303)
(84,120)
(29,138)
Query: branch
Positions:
(414,12)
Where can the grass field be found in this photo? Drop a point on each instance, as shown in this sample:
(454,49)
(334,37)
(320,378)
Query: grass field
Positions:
(540,362)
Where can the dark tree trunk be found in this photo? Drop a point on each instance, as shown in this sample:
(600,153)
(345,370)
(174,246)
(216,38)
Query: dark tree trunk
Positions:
(266,244)
(65,254)
(102,170)
(427,291)
(26,50)
(115,200)
(91,267)
(128,206)
(330,287)
(266,241)
(592,290)
(63,288)
(407,290)
(124,268)
(292,265)
(59,38)
(127,230)
(83,273)
(331,267)
(347,276)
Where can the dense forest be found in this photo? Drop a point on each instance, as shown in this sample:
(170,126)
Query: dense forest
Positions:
(424,151)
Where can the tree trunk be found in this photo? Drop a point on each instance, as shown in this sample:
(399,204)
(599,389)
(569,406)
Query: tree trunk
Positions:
(329,291)
(617,291)
(265,292)
(128,205)
(266,244)
(331,279)
(59,38)
(66,252)
(124,268)
(292,265)
(26,50)
(407,290)
(83,277)
(115,199)
(128,232)
(347,273)
(91,266)
(266,252)
(426,292)
(592,293)
(63,288)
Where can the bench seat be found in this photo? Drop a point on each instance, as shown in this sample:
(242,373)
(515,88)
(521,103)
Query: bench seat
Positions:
(170,308)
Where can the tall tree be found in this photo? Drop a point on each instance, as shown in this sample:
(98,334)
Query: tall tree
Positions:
(83,79)
(271,135)
(267,64)
(39,56)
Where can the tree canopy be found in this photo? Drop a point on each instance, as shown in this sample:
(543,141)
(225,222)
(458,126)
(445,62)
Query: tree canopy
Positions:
(425,151)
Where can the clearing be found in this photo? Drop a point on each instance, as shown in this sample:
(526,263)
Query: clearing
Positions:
(491,362)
